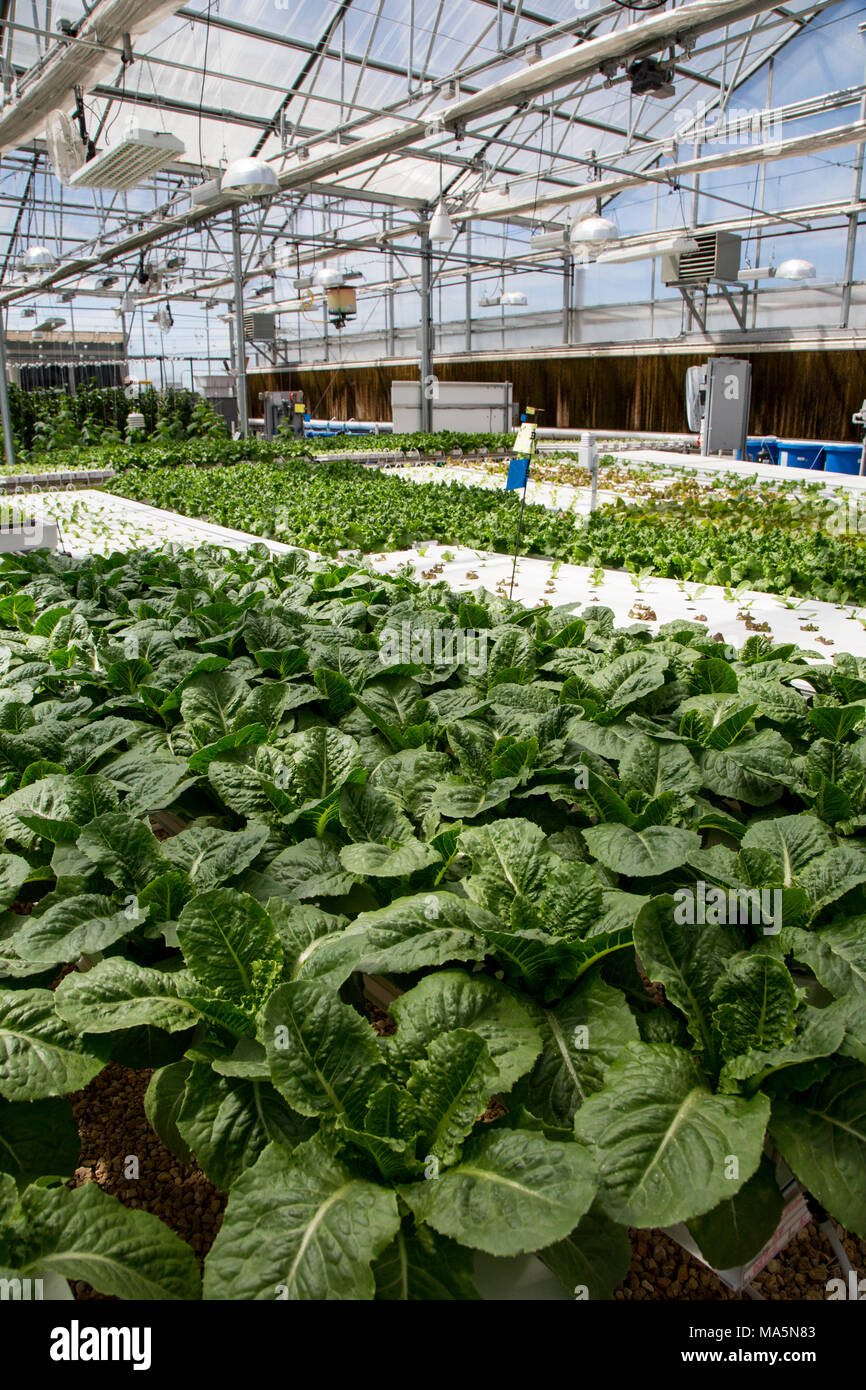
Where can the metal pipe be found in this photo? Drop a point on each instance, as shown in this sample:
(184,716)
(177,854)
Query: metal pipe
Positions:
(5,412)
(853,219)
(240,345)
(427,381)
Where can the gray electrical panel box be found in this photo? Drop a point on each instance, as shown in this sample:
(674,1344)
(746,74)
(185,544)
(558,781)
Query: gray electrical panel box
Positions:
(725,425)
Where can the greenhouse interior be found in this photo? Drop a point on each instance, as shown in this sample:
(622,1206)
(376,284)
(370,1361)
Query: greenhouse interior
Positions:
(433,658)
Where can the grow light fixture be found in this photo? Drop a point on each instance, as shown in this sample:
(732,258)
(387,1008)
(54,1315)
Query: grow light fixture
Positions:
(125,165)
(441,227)
(669,246)
(49,325)
(489,301)
(796,269)
(594,229)
(250,177)
(38,258)
(512,298)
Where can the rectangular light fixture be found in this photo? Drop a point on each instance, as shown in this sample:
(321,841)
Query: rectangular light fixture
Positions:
(128,163)
(548,241)
(649,250)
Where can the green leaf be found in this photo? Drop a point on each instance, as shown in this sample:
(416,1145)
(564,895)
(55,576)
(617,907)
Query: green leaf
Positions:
(835,722)
(224,936)
(38,1138)
(126,850)
(311,869)
(302,1227)
(421,1265)
(665,1144)
(595,1257)
(381,861)
(162,1101)
(513,1191)
(452,1086)
(82,925)
(837,955)
(822,1136)
(117,994)
(737,1229)
(688,961)
(39,1056)
(83,1233)
(410,933)
(14,873)
(641,853)
(755,1004)
(322,1055)
(452,999)
(228,1122)
(209,856)
(582,1036)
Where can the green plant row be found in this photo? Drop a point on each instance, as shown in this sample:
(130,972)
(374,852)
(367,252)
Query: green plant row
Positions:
(499,813)
(328,507)
(45,421)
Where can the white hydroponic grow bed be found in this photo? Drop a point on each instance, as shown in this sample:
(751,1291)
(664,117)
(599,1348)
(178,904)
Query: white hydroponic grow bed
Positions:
(100,522)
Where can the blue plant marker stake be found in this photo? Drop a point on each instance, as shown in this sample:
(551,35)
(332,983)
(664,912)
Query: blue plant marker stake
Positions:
(518,476)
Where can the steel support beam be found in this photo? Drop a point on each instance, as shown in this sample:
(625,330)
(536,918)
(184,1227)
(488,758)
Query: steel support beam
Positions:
(427,383)
(5,412)
(240,343)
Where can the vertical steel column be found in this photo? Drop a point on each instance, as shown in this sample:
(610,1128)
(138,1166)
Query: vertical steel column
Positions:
(5,412)
(468,286)
(240,344)
(390,306)
(853,218)
(567,294)
(426,332)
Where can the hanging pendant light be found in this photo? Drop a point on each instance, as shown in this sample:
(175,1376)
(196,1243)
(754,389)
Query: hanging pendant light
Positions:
(795,270)
(594,229)
(252,177)
(441,227)
(512,298)
(38,258)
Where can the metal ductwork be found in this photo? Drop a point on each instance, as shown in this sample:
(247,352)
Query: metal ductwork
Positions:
(77,60)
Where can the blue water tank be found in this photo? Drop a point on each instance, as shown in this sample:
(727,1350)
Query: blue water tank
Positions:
(843,458)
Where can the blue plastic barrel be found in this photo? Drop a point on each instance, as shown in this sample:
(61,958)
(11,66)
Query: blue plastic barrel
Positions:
(794,455)
(843,458)
(769,444)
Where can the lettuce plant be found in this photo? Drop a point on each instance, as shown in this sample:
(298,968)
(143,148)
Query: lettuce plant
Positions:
(611,886)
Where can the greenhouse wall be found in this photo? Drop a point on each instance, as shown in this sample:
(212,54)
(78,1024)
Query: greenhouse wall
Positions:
(809,395)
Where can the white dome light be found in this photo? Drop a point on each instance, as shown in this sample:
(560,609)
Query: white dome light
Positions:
(595,229)
(441,228)
(252,177)
(38,258)
(795,270)
(330,278)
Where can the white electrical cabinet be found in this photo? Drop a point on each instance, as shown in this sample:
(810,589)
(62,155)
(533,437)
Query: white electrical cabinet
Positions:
(470,407)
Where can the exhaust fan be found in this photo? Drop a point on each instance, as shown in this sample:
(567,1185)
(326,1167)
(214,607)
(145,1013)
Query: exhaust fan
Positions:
(126,164)
(66,150)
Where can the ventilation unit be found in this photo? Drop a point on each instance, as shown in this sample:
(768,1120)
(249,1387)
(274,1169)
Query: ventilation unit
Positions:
(129,162)
(717,258)
(260,328)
